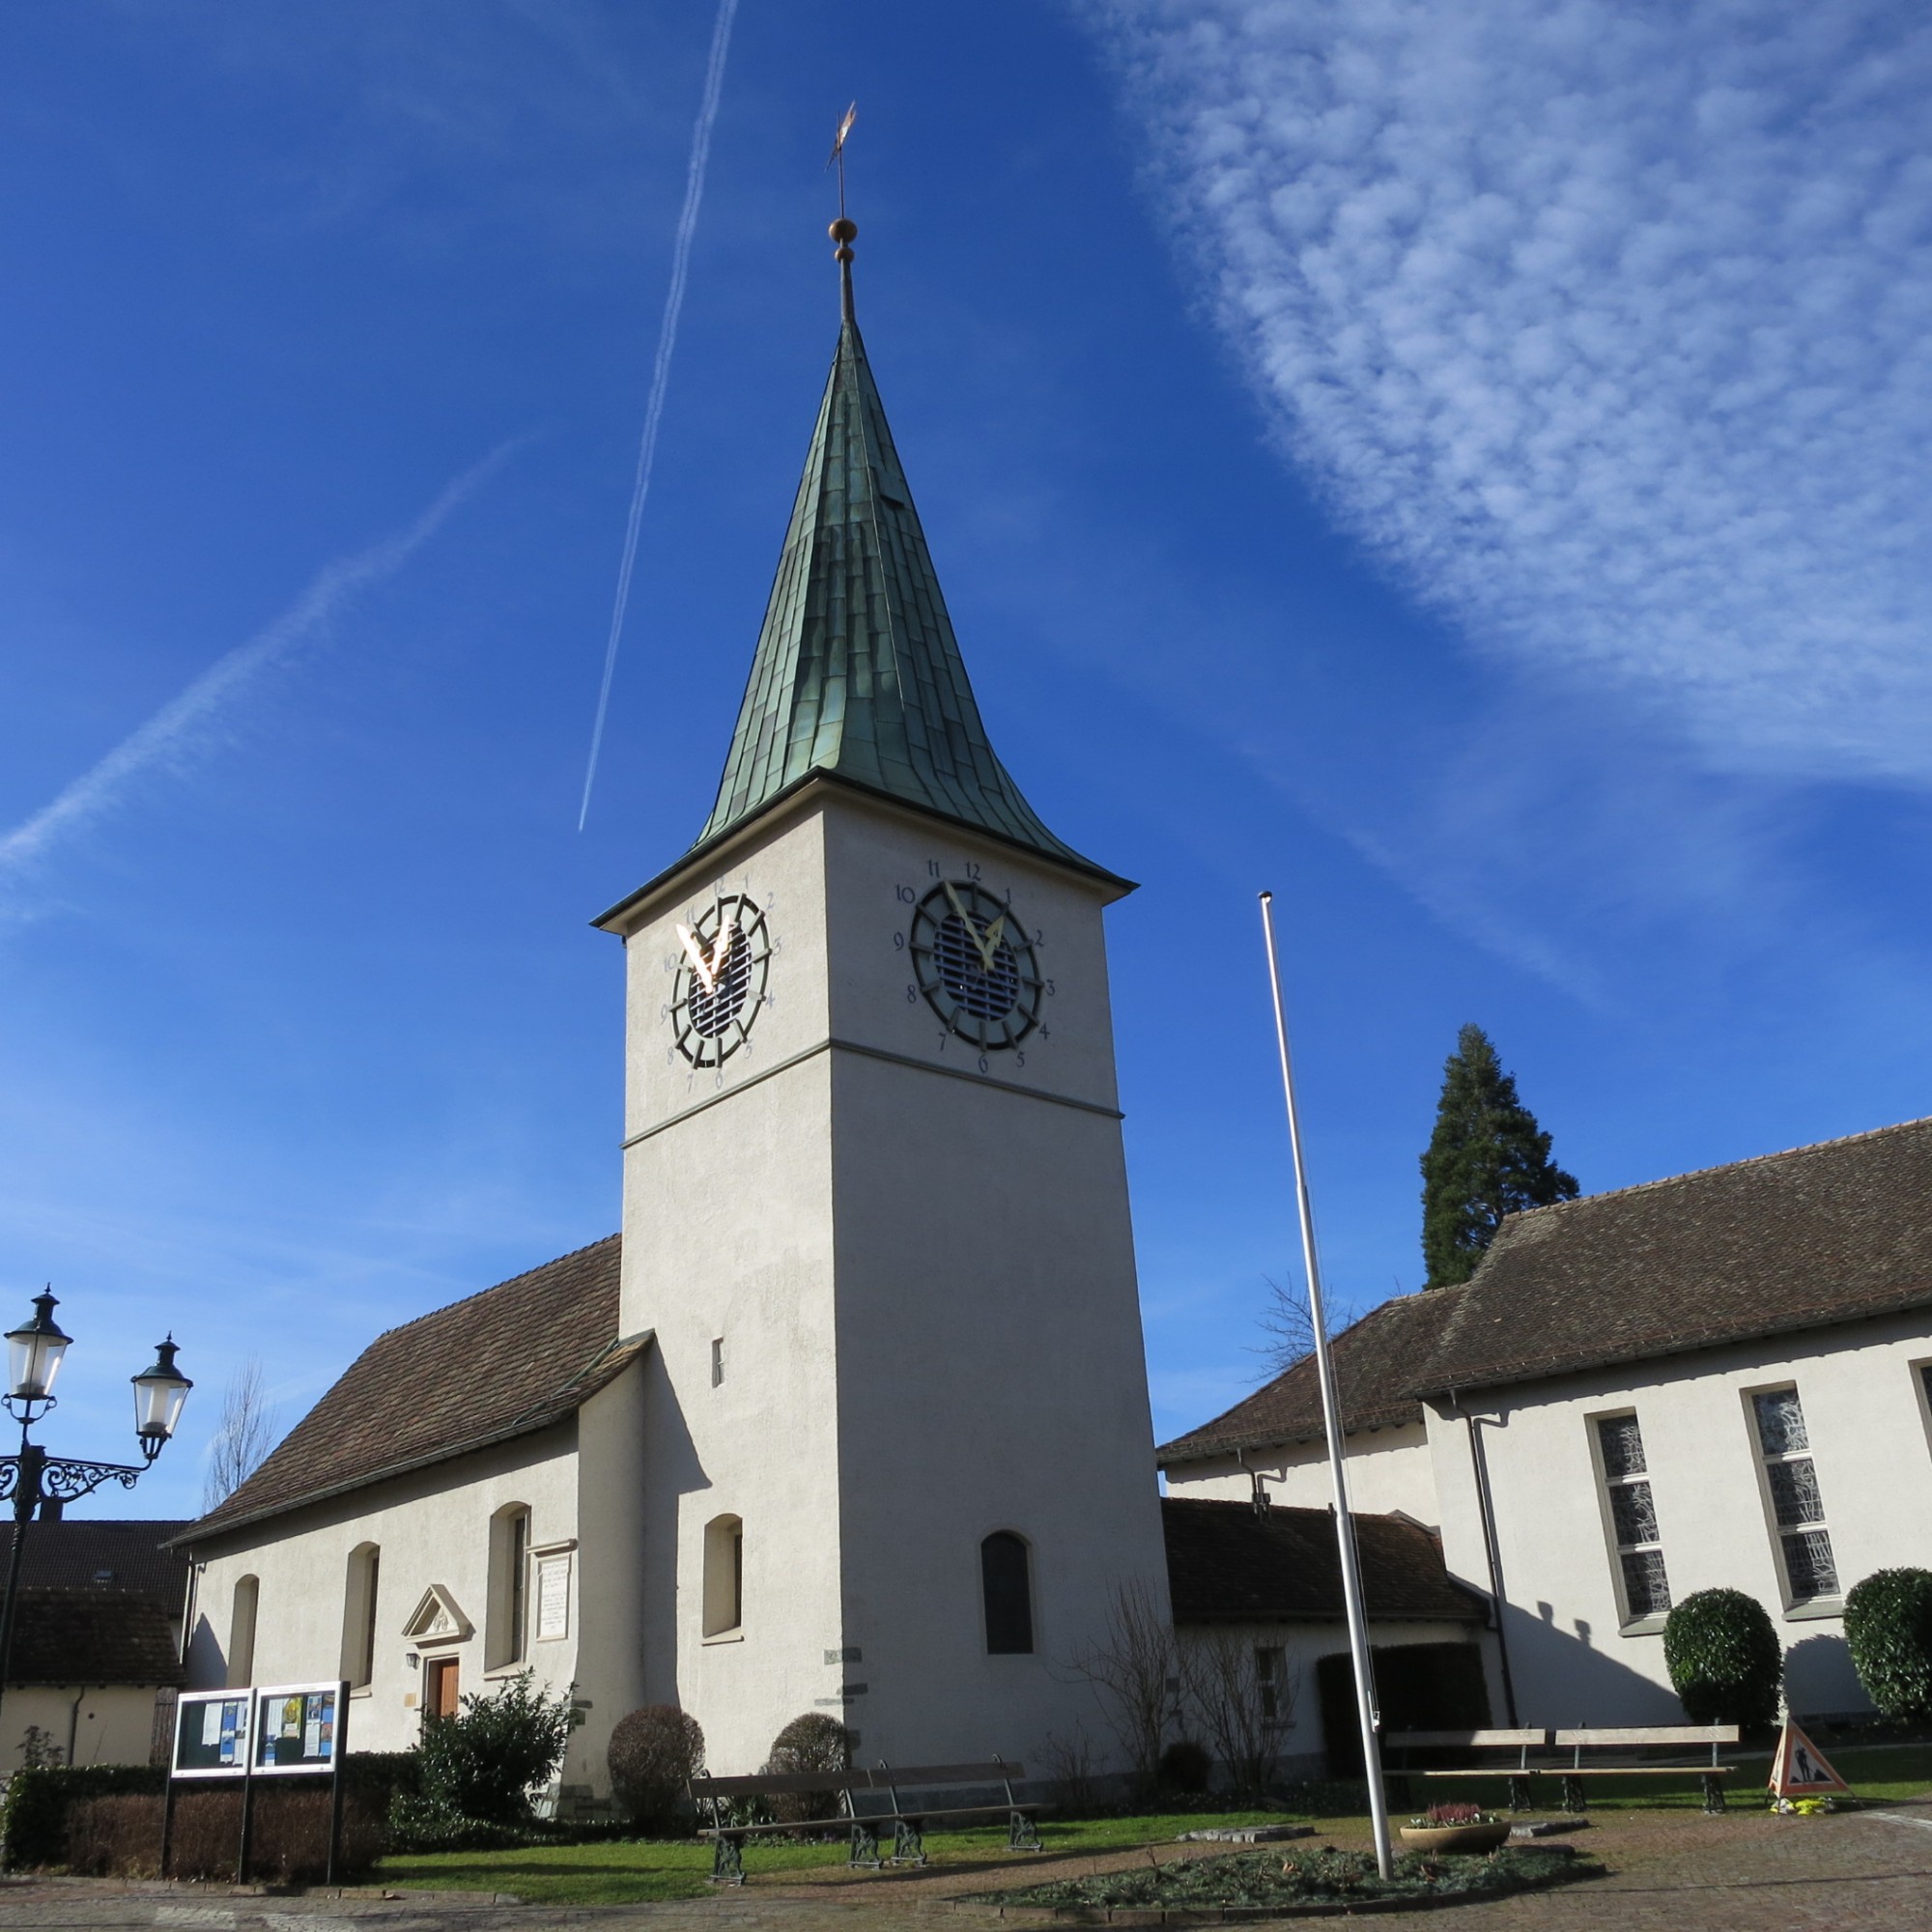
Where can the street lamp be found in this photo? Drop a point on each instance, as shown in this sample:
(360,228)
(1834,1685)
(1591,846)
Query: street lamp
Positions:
(43,1485)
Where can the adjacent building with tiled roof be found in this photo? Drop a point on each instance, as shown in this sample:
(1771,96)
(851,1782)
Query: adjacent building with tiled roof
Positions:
(96,1653)
(1719,1379)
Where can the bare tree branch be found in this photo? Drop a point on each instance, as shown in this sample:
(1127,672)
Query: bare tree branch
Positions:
(243,1438)
(1243,1715)
(1135,1667)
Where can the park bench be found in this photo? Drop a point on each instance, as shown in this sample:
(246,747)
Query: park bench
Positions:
(1509,1756)
(869,1801)
(1675,1738)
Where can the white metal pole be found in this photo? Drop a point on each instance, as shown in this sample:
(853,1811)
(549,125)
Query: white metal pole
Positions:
(1331,1422)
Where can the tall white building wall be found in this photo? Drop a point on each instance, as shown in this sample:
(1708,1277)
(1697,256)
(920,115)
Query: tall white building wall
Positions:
(920,1272)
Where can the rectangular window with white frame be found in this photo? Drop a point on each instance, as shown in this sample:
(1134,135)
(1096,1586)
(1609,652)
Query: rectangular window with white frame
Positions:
(1791,1487)
(1635,1541)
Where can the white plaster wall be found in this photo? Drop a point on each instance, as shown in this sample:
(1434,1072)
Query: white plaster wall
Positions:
(1388,1470)
(432,1526)
(728,1221)
(609,1575)
(1572,1662)
(88,1723)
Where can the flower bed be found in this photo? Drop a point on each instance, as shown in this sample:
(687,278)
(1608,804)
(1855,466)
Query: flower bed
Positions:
(1320,1879)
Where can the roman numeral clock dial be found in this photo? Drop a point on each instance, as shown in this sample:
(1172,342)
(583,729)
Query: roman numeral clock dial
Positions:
(724,958)
(975,966)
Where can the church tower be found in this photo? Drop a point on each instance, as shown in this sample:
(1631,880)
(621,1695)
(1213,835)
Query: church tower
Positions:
(899,1458)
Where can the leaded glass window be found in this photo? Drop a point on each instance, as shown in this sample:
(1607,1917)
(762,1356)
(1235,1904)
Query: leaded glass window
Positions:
(1797,1507)
(1633,1531)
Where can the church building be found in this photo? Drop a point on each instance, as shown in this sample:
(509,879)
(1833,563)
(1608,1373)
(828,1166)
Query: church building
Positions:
(853,1414)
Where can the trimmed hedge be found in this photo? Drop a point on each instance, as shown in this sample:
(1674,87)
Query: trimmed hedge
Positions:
(33,1813)
(1889,1631)
(1724,1659)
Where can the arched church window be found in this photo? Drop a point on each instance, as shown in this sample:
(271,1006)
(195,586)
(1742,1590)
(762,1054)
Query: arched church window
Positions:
(1007,1582)
(359,1615)
(723,1575)
(242,1631)
(506,1631)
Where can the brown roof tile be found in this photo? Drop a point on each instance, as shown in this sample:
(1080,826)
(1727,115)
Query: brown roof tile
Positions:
(81,1636)
(513,1359)
(1227,1563)
(1375,1362)
(1820,1234)
(103,1556)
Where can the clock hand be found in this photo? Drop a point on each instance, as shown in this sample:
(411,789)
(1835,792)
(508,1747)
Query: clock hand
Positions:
(991,948)
(721,950)
(966,920)
(696,953)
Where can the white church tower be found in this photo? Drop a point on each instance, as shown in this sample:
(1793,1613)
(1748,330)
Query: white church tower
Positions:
(899,1459)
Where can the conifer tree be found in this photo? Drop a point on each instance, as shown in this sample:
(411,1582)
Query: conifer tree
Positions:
(1487,1158)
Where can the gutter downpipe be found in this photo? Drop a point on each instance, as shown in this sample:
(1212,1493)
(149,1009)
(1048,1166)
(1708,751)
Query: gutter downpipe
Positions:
(1331,1421)
(1486,1510)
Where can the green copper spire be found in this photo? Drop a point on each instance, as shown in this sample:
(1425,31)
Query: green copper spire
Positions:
(858,672)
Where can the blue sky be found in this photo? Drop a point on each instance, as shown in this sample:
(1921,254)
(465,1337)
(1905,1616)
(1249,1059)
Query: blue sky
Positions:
(1463,469)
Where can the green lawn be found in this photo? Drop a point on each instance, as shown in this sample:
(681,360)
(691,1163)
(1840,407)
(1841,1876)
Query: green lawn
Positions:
(619,1874)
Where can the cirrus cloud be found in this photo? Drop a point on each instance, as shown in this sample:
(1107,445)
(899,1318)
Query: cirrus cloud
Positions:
(1603,325)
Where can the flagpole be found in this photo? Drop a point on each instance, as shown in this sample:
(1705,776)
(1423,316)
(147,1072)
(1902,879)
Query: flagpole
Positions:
(1331,1422)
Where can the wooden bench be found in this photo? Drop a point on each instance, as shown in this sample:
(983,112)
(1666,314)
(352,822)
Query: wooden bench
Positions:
(1511,1762)
(868,1800)
(1668,1737)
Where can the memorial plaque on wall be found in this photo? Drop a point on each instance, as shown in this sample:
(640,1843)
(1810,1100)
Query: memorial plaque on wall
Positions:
(552,1597)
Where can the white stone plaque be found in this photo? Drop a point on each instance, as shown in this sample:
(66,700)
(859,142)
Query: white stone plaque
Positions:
(552,1597)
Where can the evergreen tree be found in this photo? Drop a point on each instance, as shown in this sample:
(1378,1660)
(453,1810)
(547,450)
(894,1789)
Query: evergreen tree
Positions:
(1487,1158)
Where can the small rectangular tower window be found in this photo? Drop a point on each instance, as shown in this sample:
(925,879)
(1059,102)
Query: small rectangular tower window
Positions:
(1633,1531)
(1791,1483)
(717,1361)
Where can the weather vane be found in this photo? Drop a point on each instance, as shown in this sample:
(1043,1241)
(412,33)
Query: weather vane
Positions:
(843,232)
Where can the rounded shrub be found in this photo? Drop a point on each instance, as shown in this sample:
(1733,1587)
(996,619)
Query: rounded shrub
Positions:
(1889,1630)
(1723,1658)
(814,1742)
(654,1753)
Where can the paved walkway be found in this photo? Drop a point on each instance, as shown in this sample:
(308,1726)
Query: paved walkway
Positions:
(1669,1872)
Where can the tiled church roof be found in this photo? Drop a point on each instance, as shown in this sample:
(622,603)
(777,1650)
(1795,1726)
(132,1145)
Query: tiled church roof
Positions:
(513,1359)
(1803,1239)
(1374,1366)
(1226,1563)
(1838,1232)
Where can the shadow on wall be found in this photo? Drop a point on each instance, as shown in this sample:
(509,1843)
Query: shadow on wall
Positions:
(1819,1678)
(672,1458)
(1564,1679)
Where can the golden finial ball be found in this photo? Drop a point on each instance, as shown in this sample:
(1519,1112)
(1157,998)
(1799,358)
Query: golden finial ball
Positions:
(842,230)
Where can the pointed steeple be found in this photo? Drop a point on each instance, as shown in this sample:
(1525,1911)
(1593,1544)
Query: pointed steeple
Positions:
(858,673)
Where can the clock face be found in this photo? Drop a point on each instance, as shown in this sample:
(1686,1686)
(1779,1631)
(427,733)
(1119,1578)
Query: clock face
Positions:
(724,958)
(975,965)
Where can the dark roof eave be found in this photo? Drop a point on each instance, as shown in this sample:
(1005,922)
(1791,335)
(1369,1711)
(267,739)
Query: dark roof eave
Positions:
(1173,1455)
(532,1423)
(1474,1615)
(705,848)
(1654,1348)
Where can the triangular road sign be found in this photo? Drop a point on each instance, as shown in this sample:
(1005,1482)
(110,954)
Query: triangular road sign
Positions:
(1800,1769)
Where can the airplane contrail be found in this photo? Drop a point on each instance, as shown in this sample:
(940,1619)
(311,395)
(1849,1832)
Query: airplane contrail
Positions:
(170,735)
(647,448)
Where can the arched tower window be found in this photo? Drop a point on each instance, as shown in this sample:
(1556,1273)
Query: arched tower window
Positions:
(1006,1582)
(359,1615)
(723,1575)
(506,1632)
(242,1631)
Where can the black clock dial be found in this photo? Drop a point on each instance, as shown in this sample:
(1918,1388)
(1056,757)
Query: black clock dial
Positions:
(975,965)
(724,957)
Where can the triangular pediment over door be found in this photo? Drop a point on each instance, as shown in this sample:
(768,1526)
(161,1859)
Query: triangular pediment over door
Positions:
(438,1619)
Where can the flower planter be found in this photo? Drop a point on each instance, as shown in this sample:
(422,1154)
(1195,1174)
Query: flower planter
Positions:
(1455,1837)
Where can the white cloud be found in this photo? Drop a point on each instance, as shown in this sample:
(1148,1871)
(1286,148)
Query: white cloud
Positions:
(1603,325)
(183,726)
